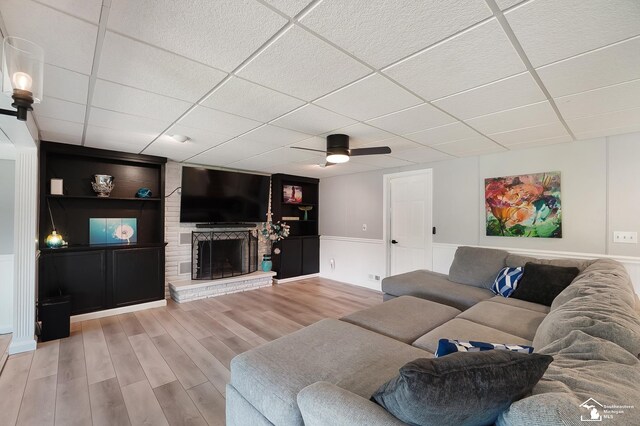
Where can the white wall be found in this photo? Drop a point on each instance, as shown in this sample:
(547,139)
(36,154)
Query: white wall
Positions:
(7,184)
(600,194)
(6,293)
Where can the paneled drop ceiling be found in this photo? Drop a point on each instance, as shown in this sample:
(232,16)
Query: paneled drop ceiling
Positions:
(248,79)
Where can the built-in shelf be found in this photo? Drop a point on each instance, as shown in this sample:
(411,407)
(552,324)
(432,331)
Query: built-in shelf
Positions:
(95,197)
(88,247)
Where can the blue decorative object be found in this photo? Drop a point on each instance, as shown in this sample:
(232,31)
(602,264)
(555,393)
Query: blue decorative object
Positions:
(143,193)
(113,230)
(267,264)
(506,281)
(449,346)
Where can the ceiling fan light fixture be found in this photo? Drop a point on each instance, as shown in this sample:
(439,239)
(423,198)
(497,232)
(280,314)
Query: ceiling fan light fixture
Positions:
(338,155)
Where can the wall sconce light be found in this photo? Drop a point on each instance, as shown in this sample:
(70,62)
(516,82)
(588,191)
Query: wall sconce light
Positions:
(22,69)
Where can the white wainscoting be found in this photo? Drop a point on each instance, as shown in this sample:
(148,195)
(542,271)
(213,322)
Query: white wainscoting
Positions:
(354,259)
(443,256)
(6,293)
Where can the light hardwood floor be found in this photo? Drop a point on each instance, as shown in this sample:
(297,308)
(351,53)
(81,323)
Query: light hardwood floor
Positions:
(161,366)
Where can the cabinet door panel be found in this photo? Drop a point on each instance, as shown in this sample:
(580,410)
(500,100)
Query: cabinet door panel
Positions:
(137,275)
(79,274)
(310,256)
(290,258)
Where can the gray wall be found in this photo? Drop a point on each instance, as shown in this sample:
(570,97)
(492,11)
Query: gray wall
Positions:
(7,185)
(600,193)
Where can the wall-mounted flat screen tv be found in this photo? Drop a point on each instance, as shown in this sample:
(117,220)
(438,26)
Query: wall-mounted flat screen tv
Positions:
(216,196)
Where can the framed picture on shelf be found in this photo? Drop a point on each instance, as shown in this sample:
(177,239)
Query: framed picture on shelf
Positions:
(113,230)
(292,194)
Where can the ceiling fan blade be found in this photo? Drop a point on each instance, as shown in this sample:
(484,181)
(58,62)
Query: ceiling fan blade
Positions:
(308,149)
(370,151)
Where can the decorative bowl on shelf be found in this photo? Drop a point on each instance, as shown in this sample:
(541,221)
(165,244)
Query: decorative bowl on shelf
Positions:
(305,209)
(102,185)
(143,193)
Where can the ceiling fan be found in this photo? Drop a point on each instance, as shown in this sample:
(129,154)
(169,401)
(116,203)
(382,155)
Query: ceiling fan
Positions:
(338,149)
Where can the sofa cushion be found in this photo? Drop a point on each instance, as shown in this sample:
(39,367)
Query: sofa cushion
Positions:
(543,283)
(584,367)
(509,319)
(405,318)
(270,376)
(435,287)
(462,329)
(449,346)
(520,304)
(516,260)
(476,266)
(464,388)
(506,281)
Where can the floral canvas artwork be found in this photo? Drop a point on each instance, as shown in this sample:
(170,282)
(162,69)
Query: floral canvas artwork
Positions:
(524,205)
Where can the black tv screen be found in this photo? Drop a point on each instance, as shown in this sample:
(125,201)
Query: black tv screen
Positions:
(216,196)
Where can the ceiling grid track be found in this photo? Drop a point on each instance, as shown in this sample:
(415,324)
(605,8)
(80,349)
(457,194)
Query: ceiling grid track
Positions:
(102,29)
(502,20)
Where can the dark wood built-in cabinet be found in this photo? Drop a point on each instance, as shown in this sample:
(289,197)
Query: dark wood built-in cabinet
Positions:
(300,252)
(101,276)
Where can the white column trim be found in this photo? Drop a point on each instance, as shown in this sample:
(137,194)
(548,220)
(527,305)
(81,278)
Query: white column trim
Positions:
(25,249)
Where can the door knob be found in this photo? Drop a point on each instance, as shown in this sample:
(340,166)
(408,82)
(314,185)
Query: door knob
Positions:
(394,242)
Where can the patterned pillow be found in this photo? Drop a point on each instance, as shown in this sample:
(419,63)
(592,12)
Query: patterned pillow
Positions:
(449,346)
(507,281)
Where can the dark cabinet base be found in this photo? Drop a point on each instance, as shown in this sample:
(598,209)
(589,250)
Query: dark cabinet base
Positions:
(298,256)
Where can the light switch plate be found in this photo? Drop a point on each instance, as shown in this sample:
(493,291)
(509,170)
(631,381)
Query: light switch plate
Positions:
(625,237)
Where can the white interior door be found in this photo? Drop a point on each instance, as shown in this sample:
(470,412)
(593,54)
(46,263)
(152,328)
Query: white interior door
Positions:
(409,221)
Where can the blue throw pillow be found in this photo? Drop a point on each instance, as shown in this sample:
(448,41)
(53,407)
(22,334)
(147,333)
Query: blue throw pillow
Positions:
(506,281)
(449,346)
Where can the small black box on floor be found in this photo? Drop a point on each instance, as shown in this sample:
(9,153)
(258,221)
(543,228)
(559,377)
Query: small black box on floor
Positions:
(55,313)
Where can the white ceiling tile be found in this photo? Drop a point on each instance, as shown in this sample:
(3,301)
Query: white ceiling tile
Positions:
(381,32)
(541,142)
(504,94)
(304,66)
(139,65)
(125,122)
(505,4)
(422,155)
(64,84)
(382,161)
(217,121)
(601,101)
(290,7)
(128,100)
(517,118)
(315,142)
(603,67)
(412,119)
(117,140)
(396,143)
(550,30)
(469,146)
(530,134)
(361,134)
(370,97)
(618,122)
(277,156)
(85,9)
(241,97)
(472,58)
(313,120)
(222,155)
(60,110)
(313,168)
(274,136)
(67,42)
(220,33)
(495,149)
(442,134)
(199,141)
(60,131)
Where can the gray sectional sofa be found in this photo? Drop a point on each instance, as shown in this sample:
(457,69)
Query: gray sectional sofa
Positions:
(325,373)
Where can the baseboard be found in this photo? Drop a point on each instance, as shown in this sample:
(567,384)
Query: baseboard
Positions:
(118,311)
(22,345)
(298,278)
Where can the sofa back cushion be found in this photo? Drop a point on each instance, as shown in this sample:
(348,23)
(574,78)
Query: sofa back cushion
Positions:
(516,261)
(477,266)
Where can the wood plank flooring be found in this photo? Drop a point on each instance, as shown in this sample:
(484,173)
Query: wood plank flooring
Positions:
(164,366)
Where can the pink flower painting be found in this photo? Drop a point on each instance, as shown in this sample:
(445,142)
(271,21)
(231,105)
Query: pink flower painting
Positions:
(524,205)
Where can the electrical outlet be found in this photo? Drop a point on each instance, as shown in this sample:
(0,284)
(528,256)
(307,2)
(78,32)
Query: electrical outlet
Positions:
(625,237)
(364,226)
(377,277)
(332,264)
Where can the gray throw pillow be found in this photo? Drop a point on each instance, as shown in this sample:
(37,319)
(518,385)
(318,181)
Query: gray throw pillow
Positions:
(463,389)
(476,266)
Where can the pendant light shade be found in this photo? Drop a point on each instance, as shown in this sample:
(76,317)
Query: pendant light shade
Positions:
(22,73)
